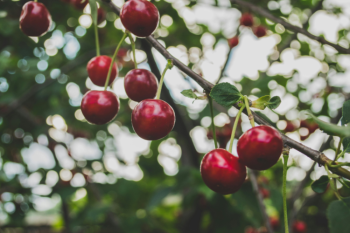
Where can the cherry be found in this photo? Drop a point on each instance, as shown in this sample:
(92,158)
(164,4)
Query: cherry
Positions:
(79,4)
(140,84)
(251,230)
(222,172)
(153,119)
(101,15)
(99,107)
(246,20)
(97,69)
(275,222)
(140,17)
(259,31)
(260,147)
(299,227)
(290,127)
(311,126)
(35,19)
(233,42)
(223,134)
(264,192)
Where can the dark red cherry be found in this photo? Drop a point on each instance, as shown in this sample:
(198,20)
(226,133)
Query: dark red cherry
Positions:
(299,227)
(140,84)
(35,19)
(99,107)
(140,17)
(260,31)
(275,222)
(222,172)
(97,69)
(290,127)
(260,147)
(153,119)
(233,42)
(247,20)
(79,4)
(264,192)
(101,15)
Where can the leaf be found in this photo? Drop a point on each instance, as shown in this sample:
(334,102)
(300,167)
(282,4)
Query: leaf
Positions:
(93,7)
(261,103)
(332,129)
(346,113)
(189,93)
(338,214)
(274,102)
(320,185)
(225,94)
(346,144)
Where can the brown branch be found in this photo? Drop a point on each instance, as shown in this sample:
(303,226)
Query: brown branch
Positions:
(207,86)
(296,29)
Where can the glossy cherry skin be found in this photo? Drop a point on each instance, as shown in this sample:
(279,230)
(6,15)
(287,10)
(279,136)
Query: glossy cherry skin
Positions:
(79,4)
(101,15)
(153,119)
(140,17)
(233,42)
(260,147)
(97,69)
(100,107)
(140,84)
(259,31)
(246,20)
(299,227)
(222,172)
(35,19)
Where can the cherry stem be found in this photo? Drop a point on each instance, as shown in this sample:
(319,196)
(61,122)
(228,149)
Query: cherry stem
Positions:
(340,165)
(97,40)
(212,120)
(234,128)
(113,59)
(169,65)
(337,151)
(250,115)
(133,48)
(332,182)
(284,191)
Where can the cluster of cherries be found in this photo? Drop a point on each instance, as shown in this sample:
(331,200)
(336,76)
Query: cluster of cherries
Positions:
(247,20)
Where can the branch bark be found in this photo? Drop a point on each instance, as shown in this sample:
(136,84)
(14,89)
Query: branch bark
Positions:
(296,29)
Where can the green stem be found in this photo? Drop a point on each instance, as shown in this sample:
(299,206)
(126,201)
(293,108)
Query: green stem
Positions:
(133,48)
(284,192)
(250,115)
(340,165)
(212,120)
(97,40)
(338,149)
(234,128)
(113,59)
(168,66)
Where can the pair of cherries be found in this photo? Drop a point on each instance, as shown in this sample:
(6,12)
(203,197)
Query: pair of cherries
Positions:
(259,148)
(152,119)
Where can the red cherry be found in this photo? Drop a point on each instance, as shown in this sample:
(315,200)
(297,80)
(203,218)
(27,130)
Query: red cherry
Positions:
(251,230)
(140,84)
(101,15)
(233,42)
(100,107)
(264,192)
(140,17)
(260,147)
(299,227)
(247,20)
(79,4)
(290,127)
(153,119)
(222,172)
(97,69)
(35,19)
(260,31)
(275,222)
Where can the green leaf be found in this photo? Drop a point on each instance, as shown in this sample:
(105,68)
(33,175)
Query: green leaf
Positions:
(338,214)
(93,7)
(225,94)
(332,129)
(189,93)
(320,185)
(274,102)
(261,103)
(346,113)
(346,144)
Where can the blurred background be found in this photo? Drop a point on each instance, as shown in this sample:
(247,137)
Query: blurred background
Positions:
(59,173)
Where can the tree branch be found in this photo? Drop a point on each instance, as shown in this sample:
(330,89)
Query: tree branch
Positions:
(207,86)
(296,29)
